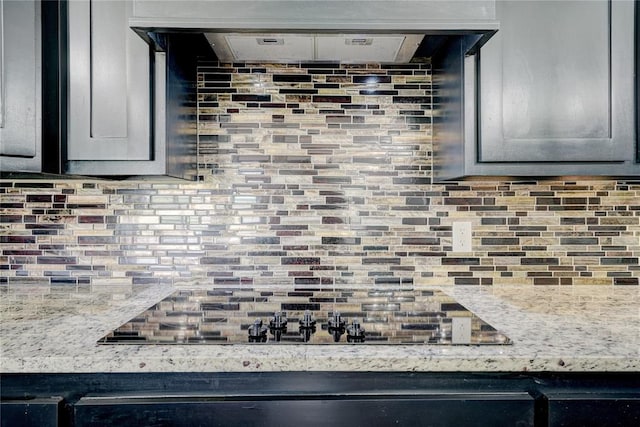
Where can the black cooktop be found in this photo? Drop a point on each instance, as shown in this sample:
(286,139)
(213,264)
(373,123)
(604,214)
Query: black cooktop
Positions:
(306,316)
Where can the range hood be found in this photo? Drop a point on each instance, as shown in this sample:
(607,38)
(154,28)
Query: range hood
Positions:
(309,47)
(313,30)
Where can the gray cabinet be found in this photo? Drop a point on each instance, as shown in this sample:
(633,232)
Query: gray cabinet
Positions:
(115,93)
(20,86)
(552,92)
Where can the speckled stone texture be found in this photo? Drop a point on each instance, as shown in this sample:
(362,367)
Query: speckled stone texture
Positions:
(553,329)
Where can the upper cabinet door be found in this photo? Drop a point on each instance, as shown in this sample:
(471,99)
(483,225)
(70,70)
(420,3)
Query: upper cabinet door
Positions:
(20,110)
(556,83)
(111,93)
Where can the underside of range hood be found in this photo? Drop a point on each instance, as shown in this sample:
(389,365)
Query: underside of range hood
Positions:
(310,47)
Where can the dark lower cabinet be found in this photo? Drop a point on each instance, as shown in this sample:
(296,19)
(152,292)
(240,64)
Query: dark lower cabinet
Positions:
(475,409)
(333,399)
(595,409)
(37,412)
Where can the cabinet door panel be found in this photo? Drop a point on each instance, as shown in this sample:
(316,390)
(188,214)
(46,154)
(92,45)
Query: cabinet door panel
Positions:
(38,412)
(109,84)
(556,83)
(490,409)
(19,85)
(109,51)
(599,409)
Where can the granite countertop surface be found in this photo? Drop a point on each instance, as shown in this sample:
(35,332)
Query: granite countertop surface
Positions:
(54,329)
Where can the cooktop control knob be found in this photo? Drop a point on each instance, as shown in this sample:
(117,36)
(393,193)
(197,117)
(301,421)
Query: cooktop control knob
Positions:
(307,320)
(336,322)
(278,321)
(336,326)
(307,326)
(257,332)
(355,332)
(278,325)
(306,333)
(336,334)
(277,334)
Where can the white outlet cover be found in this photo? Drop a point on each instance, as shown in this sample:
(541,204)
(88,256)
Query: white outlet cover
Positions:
(460,330)
(461,236)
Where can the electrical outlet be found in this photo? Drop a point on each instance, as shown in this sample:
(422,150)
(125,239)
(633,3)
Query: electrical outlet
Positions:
(461,236)
(460,330)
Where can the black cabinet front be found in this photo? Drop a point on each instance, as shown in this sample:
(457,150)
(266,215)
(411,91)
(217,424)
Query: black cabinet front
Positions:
(38,412)
(596,408)
(321,398)
(475,409)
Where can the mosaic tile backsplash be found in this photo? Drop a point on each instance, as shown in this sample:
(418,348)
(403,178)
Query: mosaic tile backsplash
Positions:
(317,174)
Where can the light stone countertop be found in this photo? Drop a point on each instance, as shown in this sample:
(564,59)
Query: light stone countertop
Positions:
(54,329)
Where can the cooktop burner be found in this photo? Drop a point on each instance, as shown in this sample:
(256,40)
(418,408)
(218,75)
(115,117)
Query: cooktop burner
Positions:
(312,316)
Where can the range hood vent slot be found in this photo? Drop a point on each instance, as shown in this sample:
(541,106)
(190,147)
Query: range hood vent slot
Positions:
(270,41)
(294,47)
(358,42)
